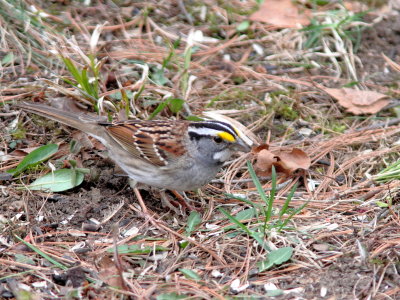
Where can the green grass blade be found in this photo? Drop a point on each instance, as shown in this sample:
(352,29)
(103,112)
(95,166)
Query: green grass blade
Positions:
(251,233)
(256,182)
(271,197)
(287,201)
(256,206)
(72,69)
(291,216)
(41,253)
(158,109)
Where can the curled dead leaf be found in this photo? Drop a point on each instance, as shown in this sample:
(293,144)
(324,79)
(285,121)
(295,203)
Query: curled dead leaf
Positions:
(265,161)
(284,161)
(358,102)
(288,162)
(108,272)
(258,148)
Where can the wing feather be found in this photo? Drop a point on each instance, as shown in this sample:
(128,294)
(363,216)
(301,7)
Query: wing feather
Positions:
(157,142)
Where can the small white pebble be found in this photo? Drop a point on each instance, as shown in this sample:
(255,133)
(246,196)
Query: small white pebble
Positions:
(332,226)
(24,286)
(94,221)
(76,233)
(216,274)
(157,257)
(39,218)
(158,40)
(323,291)
(258,49)
(312,184)
(131,231)
(237,288)
(269,286)
(295,290)
(305,131)
(212,226)
(79,245)
(226,58)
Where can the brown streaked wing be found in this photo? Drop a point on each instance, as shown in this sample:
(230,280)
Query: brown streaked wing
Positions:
(154,141)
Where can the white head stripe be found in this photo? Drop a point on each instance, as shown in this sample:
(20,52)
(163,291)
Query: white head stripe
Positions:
(204,131)
(227,127)
(211,128)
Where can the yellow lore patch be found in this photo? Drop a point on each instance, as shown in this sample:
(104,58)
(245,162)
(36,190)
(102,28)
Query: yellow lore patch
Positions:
(226,136)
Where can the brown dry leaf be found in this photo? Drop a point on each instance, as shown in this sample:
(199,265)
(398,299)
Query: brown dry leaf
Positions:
(288,162)
(358,102)
(108,272)
(281,13)
(265,160)
(284,161)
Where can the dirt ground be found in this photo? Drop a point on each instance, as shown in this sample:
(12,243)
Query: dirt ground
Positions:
(346,247)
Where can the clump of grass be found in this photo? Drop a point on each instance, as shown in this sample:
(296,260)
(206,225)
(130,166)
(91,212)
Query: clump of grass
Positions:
(27,31)
(391,172)
(282,105)
(270,221)
(340,24)
(338,33)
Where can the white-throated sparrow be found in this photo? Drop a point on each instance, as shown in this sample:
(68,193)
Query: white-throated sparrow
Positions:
(174,155)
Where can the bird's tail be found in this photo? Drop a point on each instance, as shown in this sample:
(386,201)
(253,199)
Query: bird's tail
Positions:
(83,122)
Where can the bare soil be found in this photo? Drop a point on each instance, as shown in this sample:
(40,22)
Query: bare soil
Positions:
(345,246)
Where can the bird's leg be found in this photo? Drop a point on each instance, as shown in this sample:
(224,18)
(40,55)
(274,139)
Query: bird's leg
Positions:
(132,183)
(171,204)
(182,200)
(185,200)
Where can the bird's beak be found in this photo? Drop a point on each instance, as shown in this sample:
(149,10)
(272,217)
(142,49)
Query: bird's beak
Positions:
(243,145)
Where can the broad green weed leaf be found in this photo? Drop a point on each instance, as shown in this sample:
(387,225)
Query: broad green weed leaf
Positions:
(35,157)
(58,181)
(176,104)
(274,293)
(276,257)
(118,95)
(8,59)
(246,214)
(24,259)
(171,296)
(190,274)
(243,215)
(158,77)
(193,221)
(381,204)
(243,26)
(281,255)
(183,244)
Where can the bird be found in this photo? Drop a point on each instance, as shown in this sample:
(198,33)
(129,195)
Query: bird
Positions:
(177,155)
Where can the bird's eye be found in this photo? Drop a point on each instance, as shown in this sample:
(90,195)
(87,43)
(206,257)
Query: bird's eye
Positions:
(218,140)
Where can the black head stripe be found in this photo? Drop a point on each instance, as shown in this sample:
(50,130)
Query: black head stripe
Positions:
(194,135)
(216,125)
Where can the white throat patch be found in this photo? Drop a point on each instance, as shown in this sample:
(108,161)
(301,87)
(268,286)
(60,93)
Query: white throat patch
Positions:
(223,155)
